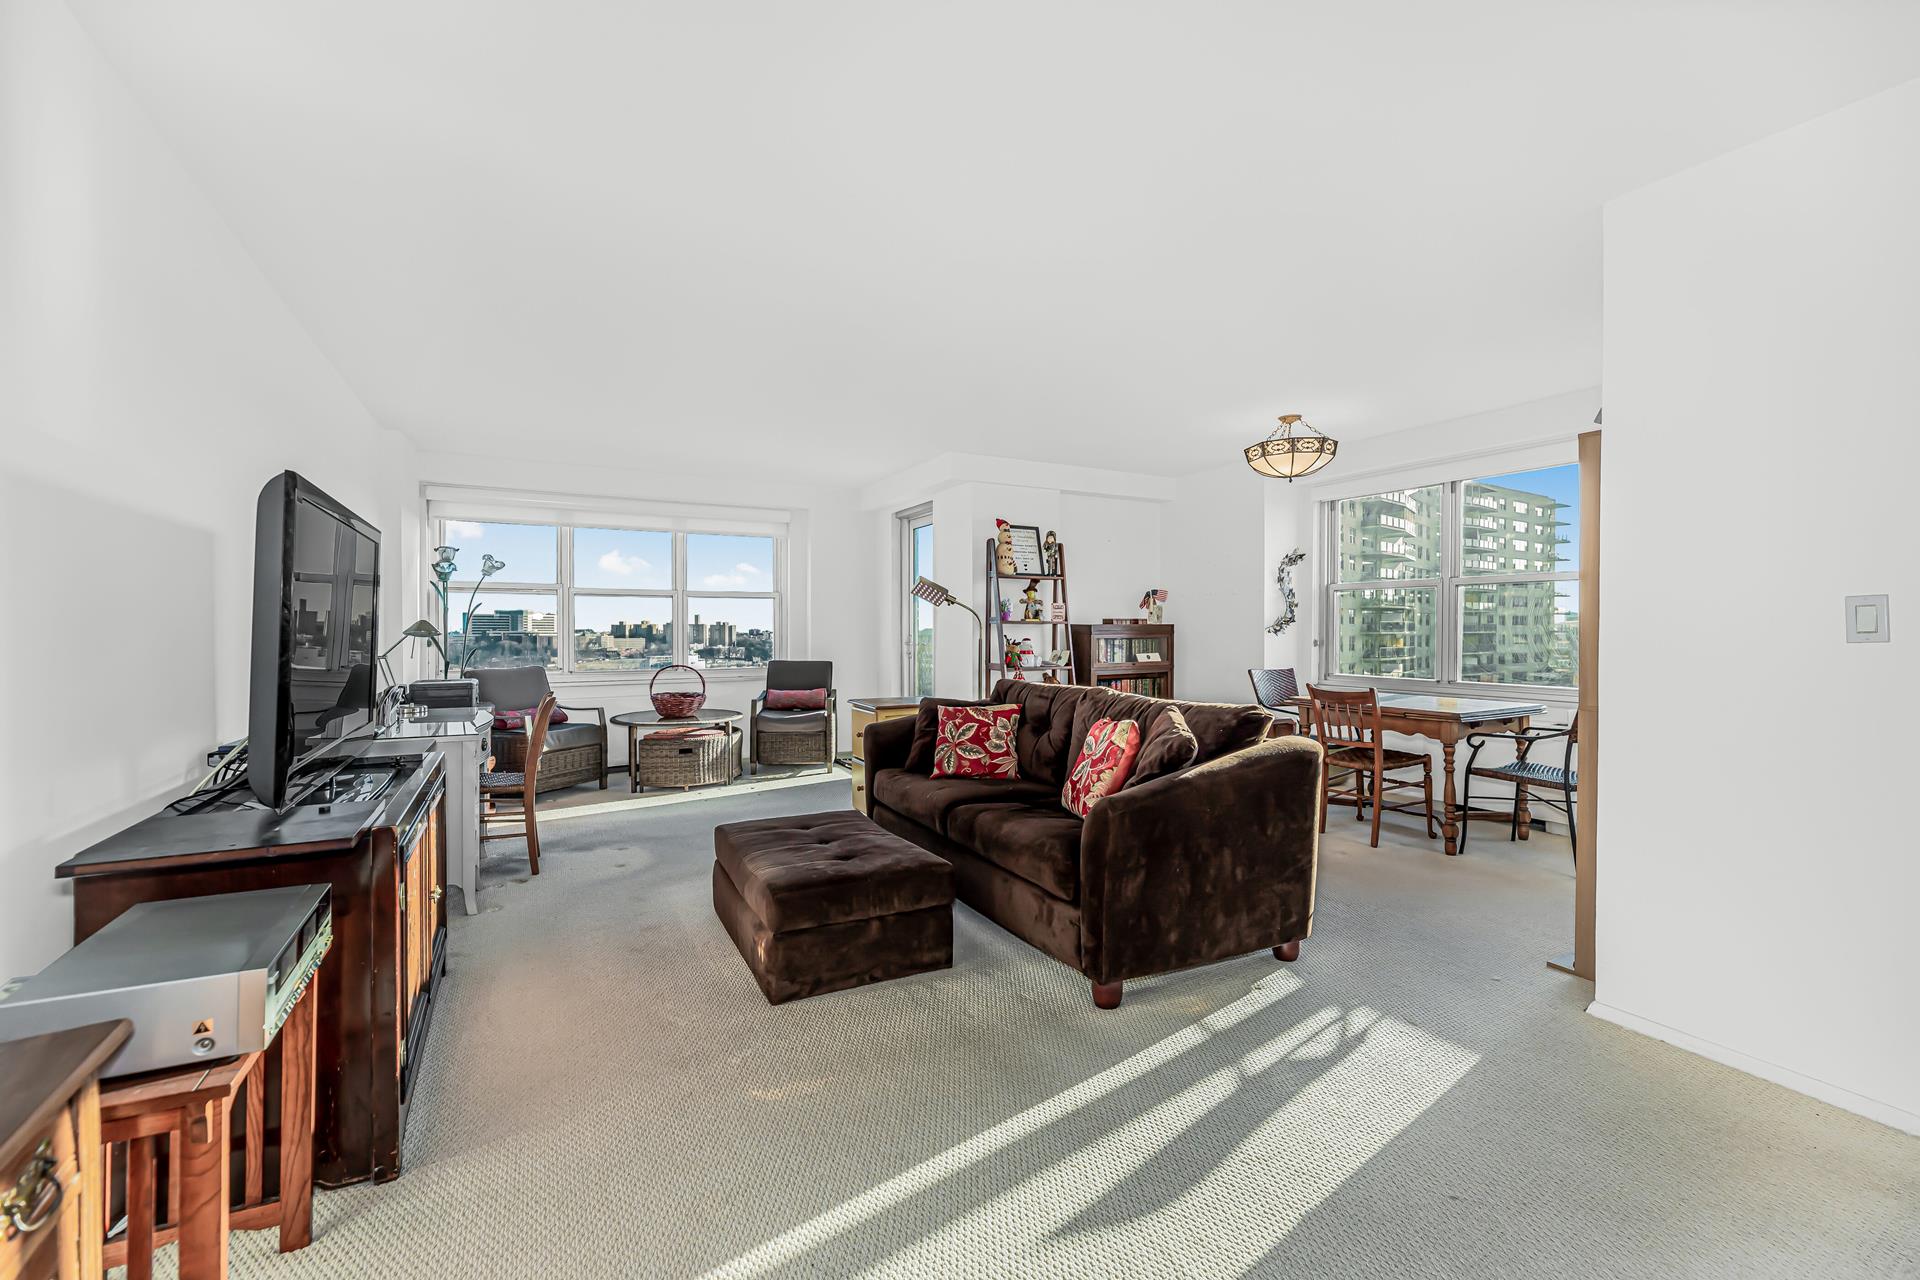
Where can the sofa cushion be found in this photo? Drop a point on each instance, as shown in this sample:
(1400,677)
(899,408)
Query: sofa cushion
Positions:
(827,868)
(1044,743)
(976,742)
(796,699)
(562,737)
(1168,747)
(931,801)
(1040,843)
(512,687)
(790,722)
(1217,727)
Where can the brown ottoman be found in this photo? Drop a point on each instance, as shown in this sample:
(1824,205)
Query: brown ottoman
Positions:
(827,901)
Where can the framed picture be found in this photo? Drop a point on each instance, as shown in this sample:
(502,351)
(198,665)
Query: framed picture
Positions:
(1027,558)
(1056,612)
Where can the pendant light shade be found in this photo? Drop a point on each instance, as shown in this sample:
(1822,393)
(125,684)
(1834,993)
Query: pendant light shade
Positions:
(1287,453)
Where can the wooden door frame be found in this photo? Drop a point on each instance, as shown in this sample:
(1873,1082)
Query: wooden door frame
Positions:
(1587,807)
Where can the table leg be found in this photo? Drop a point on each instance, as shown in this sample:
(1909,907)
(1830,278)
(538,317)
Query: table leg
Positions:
(296,1126)
(203,1194)
(633,760)
(1450,816)
(1520,800)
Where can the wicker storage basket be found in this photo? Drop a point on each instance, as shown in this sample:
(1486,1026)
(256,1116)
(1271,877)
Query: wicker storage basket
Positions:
(675,704)
(795,748)
(694,760)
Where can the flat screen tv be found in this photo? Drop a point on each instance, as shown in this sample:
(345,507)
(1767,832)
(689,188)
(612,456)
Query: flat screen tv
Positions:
(316,626)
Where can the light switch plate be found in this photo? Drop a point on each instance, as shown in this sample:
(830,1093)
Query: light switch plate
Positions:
(1867,621)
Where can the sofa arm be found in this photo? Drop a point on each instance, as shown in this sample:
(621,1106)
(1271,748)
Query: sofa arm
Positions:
(884,744)
(1215,861)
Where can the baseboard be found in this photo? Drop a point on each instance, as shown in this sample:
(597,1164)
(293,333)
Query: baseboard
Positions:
(1846,1099)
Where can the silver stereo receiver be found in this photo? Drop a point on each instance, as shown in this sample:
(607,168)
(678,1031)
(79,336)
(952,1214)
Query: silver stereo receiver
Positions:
(198,977)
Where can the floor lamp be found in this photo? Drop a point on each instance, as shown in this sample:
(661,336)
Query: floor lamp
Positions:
(935,594)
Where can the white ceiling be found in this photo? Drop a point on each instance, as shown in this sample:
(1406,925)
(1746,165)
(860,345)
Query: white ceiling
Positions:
(842,237)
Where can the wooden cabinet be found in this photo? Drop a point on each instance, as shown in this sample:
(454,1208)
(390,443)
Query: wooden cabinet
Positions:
(50,1174)
(377,989)
(865,712)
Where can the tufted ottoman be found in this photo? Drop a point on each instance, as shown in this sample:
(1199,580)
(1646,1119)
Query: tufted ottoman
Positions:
(827,901)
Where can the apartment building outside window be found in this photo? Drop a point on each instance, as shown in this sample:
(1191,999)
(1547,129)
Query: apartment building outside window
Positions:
(1470,582)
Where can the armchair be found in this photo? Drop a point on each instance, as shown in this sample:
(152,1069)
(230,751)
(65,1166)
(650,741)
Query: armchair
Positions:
(795,737)
(575,752)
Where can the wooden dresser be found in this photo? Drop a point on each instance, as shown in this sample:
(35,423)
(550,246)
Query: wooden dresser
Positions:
(865,712)
(50,1153)
(386,863)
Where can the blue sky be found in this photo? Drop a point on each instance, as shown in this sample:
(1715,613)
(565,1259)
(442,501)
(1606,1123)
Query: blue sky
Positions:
(615,559)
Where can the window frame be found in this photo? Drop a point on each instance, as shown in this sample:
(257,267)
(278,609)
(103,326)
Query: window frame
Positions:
(905,522)
(1448,588)
(565,591)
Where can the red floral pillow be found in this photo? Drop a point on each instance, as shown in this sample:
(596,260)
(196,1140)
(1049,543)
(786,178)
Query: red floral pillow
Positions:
(1105,763)
(511,720)
(976,742)
(796,699)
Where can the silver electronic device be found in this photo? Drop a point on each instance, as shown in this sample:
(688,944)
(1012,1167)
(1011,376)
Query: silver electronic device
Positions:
(198,977)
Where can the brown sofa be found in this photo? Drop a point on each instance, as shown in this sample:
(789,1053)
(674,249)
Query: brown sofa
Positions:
(1209,852)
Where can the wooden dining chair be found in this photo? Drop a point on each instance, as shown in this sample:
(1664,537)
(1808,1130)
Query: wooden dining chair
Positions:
(1526,775)
(1347,722)
(518,789)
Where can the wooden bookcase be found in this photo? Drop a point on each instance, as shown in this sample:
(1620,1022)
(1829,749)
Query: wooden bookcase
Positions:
(1109,653)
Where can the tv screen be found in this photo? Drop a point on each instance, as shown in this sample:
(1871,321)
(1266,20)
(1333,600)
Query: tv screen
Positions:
(315,630)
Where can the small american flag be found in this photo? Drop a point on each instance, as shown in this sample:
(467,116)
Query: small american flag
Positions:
(1155,595)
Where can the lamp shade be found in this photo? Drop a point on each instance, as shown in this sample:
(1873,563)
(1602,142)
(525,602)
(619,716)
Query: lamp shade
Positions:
(422,630)
(932,592)
(1286,454)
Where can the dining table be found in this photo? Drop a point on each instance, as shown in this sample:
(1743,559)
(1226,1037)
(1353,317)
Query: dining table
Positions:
(1447,720)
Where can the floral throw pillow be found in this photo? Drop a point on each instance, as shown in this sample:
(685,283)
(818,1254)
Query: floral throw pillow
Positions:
(976,742)
(508,721)
(1104,765)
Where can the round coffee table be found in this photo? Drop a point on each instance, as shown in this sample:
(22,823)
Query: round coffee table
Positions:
(641,722)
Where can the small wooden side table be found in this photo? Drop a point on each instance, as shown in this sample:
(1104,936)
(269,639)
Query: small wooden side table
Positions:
(50,1175)
(191,1110)
(867,711)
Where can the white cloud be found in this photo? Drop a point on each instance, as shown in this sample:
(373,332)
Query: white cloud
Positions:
(725,581)
(614,562)
(748,569)
(465,530)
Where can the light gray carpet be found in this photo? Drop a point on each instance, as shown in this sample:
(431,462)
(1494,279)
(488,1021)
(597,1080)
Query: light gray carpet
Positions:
(608,1095)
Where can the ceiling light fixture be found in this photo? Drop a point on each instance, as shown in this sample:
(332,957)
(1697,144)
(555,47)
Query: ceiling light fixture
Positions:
(1284,455)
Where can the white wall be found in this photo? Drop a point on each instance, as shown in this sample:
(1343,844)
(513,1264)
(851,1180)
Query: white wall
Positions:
(1215,549)
(1762,319)
(836,606)
(151,382)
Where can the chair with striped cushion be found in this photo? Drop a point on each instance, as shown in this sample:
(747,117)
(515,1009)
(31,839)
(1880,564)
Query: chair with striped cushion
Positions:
(519,788)
(1527,775)
(1347,722)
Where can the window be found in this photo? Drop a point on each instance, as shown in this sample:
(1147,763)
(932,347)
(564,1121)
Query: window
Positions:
(1442,584)
(594,599)
(916,621)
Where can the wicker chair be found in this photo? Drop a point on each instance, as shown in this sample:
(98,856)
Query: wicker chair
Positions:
(795,737)
(576,753)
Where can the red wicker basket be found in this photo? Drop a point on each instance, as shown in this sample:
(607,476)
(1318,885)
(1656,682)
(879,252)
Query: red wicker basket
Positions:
(677,705)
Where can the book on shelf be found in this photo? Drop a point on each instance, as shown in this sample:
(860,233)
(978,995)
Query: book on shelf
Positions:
(1151,686)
